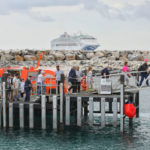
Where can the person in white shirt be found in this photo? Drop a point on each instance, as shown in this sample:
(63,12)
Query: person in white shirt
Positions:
(78,74)
(58,73)
(22,84)
(40,83)
(89,78)
(16,85)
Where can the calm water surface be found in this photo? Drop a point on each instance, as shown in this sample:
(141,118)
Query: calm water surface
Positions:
(85,138)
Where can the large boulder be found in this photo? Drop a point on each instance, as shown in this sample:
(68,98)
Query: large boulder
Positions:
(29,58)
(90,55)
(70,56)
(7,57)
(59,56)
(19,58)
(99,54)
(50,58)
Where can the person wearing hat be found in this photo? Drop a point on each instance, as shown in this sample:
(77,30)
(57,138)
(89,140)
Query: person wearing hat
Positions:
(58,73)
(144,74)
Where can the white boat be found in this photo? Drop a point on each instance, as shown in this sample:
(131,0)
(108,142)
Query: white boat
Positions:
(76,42)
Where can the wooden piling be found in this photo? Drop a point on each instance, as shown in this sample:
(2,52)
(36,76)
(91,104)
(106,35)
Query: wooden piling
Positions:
(137,104)
(91,109)
(11,115)
(31,116)
(0,114)
(79,114)
(115,112)
(68,110)
(103,112)
(122,108)
(43,112)
(21,115)
(54,112)
(4,105)
(61,102)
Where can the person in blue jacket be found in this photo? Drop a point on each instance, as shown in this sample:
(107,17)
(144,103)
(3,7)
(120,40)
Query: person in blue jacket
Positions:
(73,79)
(28,87)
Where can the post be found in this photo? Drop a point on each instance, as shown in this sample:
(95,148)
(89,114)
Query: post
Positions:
(91,109)
(61,102)
(103,112)
(31,116)
(11,115)
(79,115)
(43,112)
(4,105)
(68,110)
(115,112)
(122,104)
(54,112)
(21,115)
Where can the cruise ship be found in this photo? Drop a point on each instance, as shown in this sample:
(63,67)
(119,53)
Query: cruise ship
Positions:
(76,42)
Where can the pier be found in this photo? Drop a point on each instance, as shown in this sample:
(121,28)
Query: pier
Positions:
(63,107)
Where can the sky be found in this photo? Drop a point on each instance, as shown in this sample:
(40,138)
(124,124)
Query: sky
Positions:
(117,24)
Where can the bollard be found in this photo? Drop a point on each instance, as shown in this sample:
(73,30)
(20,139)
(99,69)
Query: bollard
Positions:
(31,116)
(43,112)
(54,112)
(11,115)
(21,115)
(68,110)
(91,109)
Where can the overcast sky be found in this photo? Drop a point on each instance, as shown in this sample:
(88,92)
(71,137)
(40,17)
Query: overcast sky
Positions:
(117,24)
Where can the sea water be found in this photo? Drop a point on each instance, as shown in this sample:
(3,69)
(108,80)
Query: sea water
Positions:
(86,137)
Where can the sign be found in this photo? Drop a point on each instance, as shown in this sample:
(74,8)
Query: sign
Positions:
(105,86)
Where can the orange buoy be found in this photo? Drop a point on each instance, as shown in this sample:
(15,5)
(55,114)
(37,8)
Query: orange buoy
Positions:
(83,83)
(129,110)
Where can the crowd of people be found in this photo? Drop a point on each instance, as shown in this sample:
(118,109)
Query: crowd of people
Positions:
(18,89)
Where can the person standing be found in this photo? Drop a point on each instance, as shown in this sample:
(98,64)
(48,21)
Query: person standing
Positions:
(144,74)
(28,87)
(58,73)
(73,79)
(126,73)
(105,72)
(89,78)
(78,74)
(40,81)
(16,85)
(22,86)
(8,87)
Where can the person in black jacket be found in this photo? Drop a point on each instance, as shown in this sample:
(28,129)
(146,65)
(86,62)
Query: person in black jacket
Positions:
(144,73)
(73,79)
(28,87)
(105,72)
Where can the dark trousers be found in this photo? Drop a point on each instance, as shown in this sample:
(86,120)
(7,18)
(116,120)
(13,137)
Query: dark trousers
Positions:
(73,86)
(27,98)
(144,76)
(78,86)
(58,86)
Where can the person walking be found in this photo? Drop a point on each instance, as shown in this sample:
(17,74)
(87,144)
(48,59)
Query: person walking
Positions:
(28,87)
(125,71)
(78,74)
(58,73)
(73,80)
(144,74)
